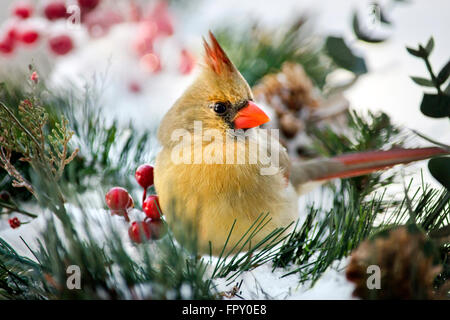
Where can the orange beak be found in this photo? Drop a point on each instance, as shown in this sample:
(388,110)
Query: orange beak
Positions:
(250,116)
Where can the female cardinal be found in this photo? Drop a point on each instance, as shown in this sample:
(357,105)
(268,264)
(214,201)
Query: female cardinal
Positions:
(209,196)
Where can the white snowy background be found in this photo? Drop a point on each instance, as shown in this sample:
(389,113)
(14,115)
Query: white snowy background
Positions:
(386,87)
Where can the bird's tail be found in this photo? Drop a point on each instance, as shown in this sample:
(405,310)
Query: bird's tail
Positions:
(308,173)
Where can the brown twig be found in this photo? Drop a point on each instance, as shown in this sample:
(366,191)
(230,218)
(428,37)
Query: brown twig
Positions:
(19,181)
(15,209)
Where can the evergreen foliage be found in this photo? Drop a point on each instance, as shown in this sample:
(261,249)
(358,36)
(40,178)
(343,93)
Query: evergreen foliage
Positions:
(37,133)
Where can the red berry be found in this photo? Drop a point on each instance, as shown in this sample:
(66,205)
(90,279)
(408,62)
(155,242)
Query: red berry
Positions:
(34,77)
(61,45)
(14,223)
(151,63)
(55,10)
(187,62)
(139,231)
(12,34)
(99,22)
(135,12)
(5,196)
(134,87)
(28,103)
(7,46)
(29,36)
(88,4)
(23,10)
(151,207)
(145,37)
(117,199)
(144,175)
(163,19)
(158,229)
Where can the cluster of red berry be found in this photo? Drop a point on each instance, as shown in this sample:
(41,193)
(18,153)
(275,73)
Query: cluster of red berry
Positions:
(120,202)
(22,33)
(154,23)
(151,27)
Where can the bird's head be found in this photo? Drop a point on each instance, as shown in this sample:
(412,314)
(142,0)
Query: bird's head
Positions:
(219,97)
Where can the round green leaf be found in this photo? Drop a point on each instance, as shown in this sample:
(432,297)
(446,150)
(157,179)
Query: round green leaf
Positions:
(440,169)
(363,34)
(444,73)
(435,106)
(342,55)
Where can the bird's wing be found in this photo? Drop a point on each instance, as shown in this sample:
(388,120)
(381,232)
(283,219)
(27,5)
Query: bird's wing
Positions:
(283,156)
(285,163)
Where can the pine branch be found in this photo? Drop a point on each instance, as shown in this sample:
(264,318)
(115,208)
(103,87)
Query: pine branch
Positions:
(108,152)
(16,275)
(257,52)
(233,261)
(26,136)
(161,270)
(328,236)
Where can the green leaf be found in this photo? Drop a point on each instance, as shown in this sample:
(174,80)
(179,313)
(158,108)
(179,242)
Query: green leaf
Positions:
(435,106)
(422,81)
(440,169)
(414,52)
(447,90)
(343,56)
(423,51)
(444,73)
(362,34)
(430,45)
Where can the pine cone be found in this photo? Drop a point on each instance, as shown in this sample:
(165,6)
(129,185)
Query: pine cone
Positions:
(405,257)
(293,97)
(291,89)
(290,125)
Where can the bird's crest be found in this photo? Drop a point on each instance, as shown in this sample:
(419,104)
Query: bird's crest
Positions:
(215,57)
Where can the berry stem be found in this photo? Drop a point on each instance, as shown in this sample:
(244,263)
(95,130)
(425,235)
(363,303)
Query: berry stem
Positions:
(125,215)
(144,196)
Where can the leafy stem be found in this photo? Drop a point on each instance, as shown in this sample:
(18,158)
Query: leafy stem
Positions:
(442,145)
(19,124)
(16,209)
(433,77)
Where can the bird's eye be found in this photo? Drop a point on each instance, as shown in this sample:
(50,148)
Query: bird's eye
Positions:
(220,107)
